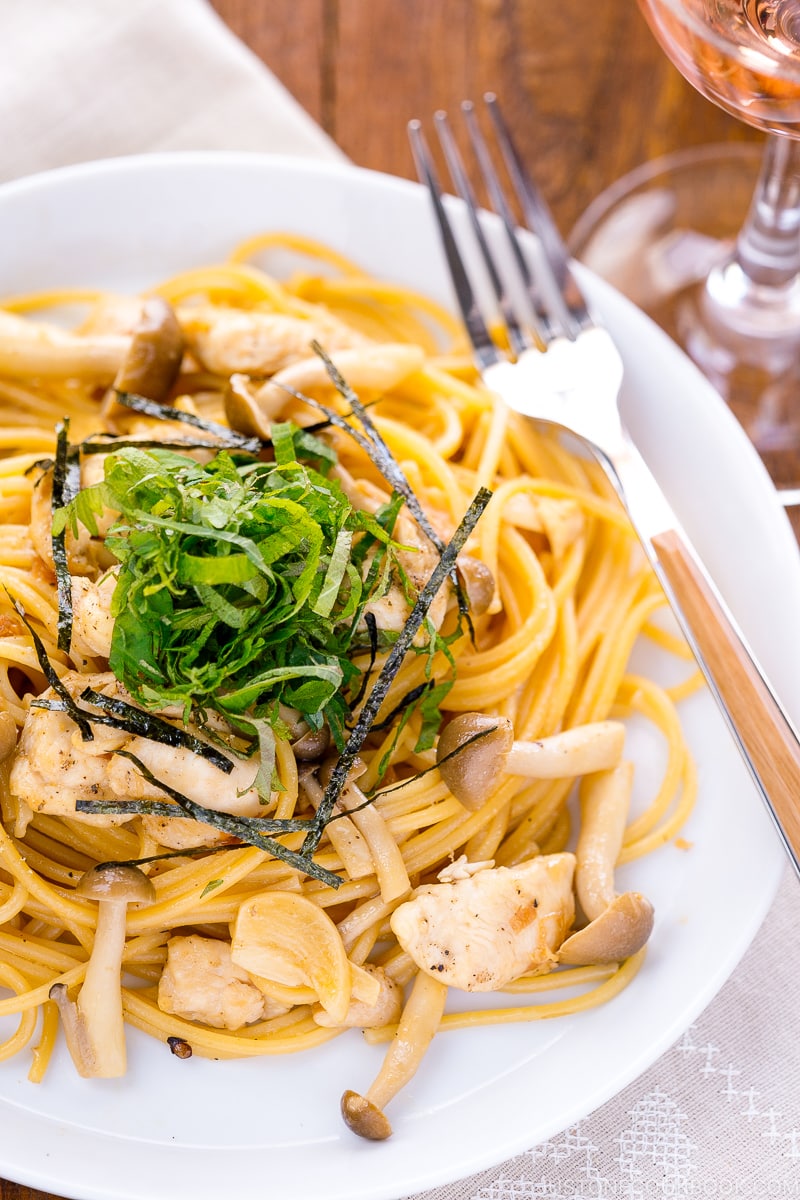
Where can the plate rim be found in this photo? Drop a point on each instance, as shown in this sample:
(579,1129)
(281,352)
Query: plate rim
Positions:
(481,1159)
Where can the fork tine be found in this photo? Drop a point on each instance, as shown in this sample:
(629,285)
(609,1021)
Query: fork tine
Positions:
(486,353)
(517,337)
(540,221)
(547,328)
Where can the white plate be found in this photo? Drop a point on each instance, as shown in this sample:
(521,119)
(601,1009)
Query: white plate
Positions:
(200,1129)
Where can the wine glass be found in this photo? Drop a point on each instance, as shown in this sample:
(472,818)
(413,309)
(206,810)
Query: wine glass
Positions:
(722,275)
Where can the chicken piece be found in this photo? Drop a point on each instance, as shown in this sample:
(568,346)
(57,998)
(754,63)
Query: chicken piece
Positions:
(480,932)
(200,982)
(92,622)
(360,1015)
(53,767)
(229,340)
(188,773)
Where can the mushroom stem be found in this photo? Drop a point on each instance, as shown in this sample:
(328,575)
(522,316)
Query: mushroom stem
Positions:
(605,800)
(99,1004)
(387,860)
(475,749)
(578,751)
(419,1022)
(80,1049)
(618,925)
(30,349)
(342,833)
(390,869)
(94,1025)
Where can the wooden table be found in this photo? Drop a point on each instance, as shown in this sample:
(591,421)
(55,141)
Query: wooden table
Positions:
(585,89)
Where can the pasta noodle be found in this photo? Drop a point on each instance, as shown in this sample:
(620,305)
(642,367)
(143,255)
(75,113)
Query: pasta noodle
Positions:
(569,597)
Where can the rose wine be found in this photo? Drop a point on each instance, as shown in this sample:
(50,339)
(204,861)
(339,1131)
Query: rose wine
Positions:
(742,54)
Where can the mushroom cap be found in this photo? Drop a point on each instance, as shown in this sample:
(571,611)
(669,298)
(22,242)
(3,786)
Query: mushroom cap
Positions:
(364,1117)
(470,768)
(116,881)
(154,357)
(312,745)
(617,933)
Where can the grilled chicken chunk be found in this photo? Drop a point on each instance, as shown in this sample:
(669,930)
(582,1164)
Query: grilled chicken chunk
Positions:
(201,983)
(478,930)
(228,340)
(54,768)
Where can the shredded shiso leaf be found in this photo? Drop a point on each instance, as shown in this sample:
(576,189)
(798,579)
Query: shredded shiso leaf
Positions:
(243,585)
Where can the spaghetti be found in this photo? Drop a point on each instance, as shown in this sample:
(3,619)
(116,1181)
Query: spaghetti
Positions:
(563,592)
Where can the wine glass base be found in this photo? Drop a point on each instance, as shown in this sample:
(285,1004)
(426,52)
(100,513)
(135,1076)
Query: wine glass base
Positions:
(656,235)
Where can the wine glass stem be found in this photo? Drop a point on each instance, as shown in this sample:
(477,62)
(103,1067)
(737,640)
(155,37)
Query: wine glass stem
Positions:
(768,246)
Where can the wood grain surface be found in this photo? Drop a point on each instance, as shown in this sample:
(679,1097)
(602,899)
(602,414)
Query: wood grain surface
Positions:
(585,89)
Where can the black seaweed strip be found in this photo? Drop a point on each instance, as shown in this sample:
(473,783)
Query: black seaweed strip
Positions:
(158,808)
(372,629)
(154,728)
(59,540)
(126,808)
(110,446)
(50,675)
(392,665)
(247,829)
(163,412)
(192,852)
(382,455)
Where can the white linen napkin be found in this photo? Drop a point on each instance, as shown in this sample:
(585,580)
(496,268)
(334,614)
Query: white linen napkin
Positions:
(86,79)
(719,1114)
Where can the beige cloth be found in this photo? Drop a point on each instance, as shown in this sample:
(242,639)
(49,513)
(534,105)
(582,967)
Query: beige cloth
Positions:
(85,79)
(719,1115)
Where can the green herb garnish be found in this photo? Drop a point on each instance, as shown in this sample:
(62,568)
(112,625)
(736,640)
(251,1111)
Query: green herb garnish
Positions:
(236,586)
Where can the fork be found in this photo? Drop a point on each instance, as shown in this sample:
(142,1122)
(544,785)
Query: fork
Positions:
(565,369)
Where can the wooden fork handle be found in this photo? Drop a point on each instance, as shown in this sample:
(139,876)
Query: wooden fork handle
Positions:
(755,717)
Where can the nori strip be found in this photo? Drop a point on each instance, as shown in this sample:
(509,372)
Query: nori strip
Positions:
(229,438)
(50,675)
(392,665)
(244,828)
(92,446)
(66,485)
(372,630)
(409,698)
(159,808)
(154,728)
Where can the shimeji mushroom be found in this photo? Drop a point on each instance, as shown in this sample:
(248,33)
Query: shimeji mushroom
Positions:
(475,749)
(619,925)
(369,368)
(93,1024)
(153,357)
(418,1023)
(145,362)
(34,349)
